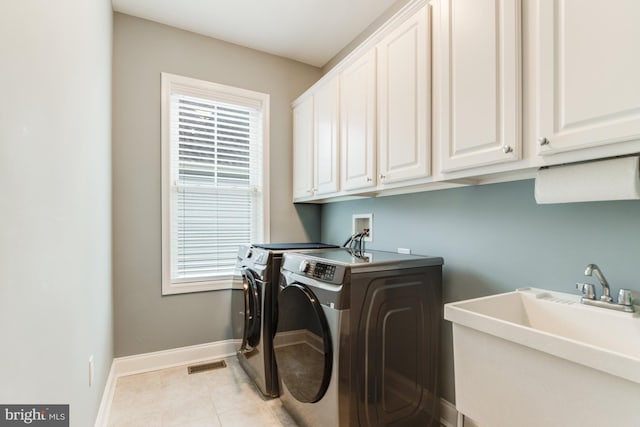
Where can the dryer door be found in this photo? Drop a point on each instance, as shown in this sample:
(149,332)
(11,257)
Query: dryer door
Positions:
(252,312)
(303,344)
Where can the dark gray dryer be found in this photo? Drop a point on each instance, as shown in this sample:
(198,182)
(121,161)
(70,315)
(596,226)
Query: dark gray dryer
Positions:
(254,305)
(357,339)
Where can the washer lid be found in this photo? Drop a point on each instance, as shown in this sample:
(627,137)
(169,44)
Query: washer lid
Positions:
(294,246)
(372,260)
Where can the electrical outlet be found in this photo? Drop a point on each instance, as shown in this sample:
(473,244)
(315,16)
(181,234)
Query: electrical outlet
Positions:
(91,370)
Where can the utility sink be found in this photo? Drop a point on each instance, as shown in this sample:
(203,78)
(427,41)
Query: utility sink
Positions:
(534,357)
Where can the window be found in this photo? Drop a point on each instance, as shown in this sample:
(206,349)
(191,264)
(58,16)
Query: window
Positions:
(214,145)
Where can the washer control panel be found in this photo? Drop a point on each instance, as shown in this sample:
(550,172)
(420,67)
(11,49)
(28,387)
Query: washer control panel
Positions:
(322,271)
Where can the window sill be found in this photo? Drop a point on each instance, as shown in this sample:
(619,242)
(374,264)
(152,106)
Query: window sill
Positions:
(176,288)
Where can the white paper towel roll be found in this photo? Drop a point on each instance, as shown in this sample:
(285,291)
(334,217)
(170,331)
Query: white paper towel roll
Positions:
(613,179)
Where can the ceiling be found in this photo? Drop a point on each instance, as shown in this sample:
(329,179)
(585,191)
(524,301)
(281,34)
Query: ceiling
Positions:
(309,31)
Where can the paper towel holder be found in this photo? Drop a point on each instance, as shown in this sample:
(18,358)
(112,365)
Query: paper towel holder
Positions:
(596,180)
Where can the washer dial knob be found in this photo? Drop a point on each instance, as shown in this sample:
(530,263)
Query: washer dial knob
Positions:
(305,266)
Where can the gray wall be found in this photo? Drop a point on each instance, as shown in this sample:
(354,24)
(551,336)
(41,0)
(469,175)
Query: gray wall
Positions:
(55,236)
(144,320)
(494,238)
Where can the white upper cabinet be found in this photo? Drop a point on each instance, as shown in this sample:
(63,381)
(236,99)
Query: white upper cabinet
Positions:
(404,116)
(303,157)
(588,71)
(358,123)
(477,100)
(366,126)
(326,122)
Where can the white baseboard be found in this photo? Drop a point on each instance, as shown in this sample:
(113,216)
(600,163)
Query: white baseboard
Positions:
(468,422)
(448,414)
(451,417)
(147,362)
(107,398)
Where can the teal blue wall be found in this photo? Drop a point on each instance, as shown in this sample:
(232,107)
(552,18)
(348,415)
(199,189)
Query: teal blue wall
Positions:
(495,238)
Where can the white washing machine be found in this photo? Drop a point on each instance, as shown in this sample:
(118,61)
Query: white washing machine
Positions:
(358,338)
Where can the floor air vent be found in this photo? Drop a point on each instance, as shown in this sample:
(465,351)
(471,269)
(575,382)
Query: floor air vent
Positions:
(194,369)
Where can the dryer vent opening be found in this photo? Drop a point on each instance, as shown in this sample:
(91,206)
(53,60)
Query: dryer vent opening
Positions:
(194,369)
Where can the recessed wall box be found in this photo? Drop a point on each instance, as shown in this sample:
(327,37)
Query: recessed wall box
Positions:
(360,222)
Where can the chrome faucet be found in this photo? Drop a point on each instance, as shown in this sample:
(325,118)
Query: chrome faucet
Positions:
(625,298)
(606,292)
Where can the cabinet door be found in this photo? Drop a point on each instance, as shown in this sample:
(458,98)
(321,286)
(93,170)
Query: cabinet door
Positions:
(589,73)
(325,113)
(303,149)
(404,115)
(478,102)
(358,123)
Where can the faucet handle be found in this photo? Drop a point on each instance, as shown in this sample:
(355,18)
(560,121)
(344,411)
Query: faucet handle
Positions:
(587,289)
(625,297)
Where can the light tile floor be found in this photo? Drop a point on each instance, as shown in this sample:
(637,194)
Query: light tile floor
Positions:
(171,397)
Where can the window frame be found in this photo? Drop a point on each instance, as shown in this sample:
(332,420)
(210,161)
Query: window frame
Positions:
(173,83)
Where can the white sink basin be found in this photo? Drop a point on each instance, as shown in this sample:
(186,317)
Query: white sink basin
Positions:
(540,358)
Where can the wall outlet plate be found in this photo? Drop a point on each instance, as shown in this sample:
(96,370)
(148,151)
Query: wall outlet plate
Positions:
(91,370)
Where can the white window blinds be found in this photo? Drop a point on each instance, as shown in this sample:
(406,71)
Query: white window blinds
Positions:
(216,196)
